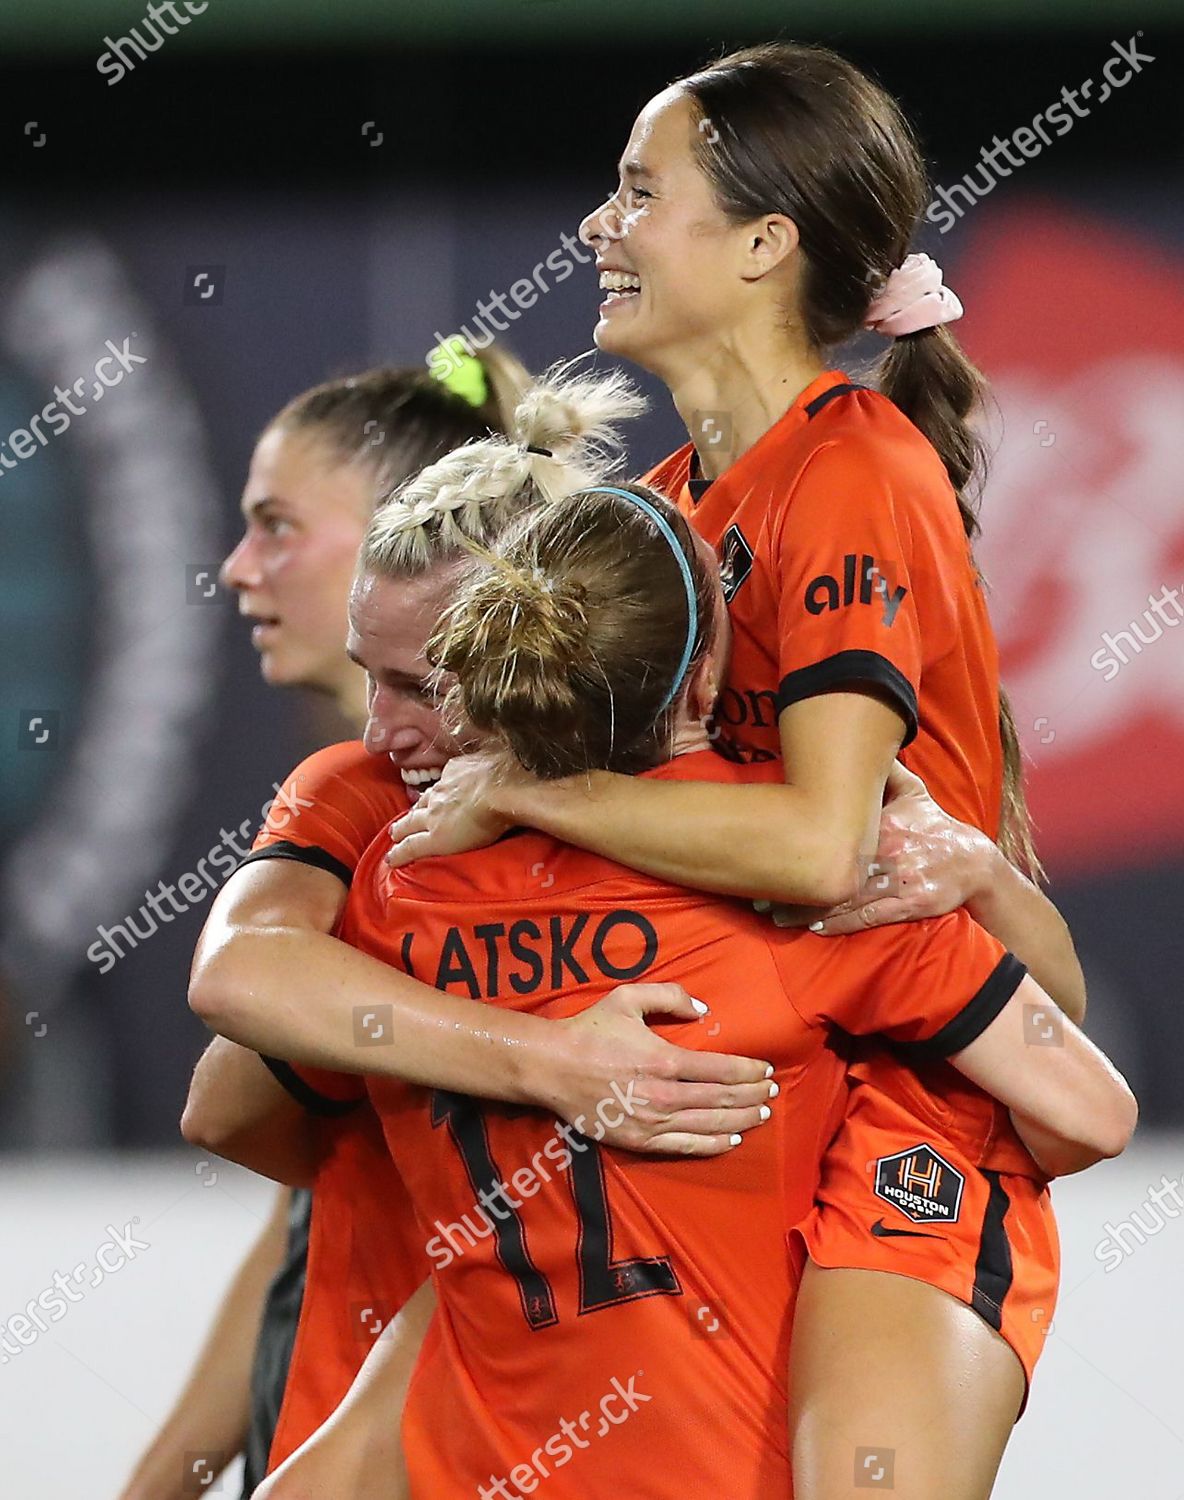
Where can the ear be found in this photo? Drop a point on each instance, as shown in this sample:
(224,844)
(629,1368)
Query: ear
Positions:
(703,688)
(769,242)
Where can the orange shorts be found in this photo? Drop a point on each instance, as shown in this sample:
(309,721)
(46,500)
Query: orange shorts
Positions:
(901,1197)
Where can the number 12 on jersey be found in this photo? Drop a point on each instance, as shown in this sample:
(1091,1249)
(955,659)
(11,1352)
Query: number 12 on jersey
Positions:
(604,1282)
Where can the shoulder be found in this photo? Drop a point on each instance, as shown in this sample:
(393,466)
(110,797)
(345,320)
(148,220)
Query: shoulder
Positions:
(669,476)
(872,442)
(338,800)
(347,773)
(870,464)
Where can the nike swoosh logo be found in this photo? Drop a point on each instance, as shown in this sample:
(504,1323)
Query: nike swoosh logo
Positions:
(882,1232)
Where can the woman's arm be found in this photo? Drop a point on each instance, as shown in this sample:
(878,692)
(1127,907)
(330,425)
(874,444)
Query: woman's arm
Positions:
(212,1413)
(358,1451)
(238,1110)
(841,746)
(1070,1105)
(928,863)
(266,974)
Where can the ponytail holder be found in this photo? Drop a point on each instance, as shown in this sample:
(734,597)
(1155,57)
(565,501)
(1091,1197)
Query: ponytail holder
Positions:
(912,298)
(453,364)
(684,568)
(542,452)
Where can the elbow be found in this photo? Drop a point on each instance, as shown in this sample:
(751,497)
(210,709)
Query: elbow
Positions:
(828,876)
(201,1127)
(1117,1125)
(211,1000)
(836,880)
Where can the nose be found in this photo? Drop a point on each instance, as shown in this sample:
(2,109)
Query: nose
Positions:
(240,570)
(603,223)
(387,728)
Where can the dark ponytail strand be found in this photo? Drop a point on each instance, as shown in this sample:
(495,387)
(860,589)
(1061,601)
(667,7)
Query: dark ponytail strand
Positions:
(928,376)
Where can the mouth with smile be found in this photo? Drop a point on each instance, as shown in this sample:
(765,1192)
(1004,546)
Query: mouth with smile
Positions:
(621,286)
(418,779)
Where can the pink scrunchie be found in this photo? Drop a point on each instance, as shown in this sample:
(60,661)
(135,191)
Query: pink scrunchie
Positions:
(913,298)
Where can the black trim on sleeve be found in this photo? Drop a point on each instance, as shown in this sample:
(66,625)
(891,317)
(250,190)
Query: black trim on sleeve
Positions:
(847,667)
(974,1017)
(303,854)
(312,1099)
(814,407)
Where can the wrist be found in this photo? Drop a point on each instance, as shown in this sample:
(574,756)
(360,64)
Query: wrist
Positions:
(508,798)
(541,1065)
(525,801)
(985,879)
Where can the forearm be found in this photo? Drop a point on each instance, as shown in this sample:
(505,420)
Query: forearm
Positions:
(237,1110)
(212,1413)
(304,996)
(1052,1153)
(1025,921)
(770,842)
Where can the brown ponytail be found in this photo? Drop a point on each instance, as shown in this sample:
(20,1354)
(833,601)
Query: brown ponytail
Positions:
(800,131)
(566,638)
(930,379)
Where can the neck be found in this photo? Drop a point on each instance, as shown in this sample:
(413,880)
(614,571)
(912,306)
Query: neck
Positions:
(690,736)
(742,385)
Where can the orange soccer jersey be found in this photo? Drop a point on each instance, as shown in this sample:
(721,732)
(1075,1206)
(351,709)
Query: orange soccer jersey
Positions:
(365,1255)
(613,1324)
(845,563)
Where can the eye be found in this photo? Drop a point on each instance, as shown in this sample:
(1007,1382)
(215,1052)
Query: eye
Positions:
(640,193)
(275,525)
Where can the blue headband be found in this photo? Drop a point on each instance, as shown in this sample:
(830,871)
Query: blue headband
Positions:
(684,568)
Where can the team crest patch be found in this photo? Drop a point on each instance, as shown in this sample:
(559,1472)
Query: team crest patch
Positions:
(735,562)
(921,1184)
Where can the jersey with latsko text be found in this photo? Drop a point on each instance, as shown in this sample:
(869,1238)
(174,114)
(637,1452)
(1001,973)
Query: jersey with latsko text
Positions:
(604,1317)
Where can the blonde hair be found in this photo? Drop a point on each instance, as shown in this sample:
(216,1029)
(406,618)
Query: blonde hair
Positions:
(562,437)
(567,638)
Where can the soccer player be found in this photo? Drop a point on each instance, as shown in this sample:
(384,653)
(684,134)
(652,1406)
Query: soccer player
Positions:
(632,1318)
(765,212)
(294,888)
(317,472)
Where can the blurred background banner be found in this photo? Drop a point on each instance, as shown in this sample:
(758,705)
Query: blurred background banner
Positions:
(209,208)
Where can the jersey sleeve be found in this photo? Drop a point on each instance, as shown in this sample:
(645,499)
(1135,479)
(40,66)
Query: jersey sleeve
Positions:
(846,614)
(320,1091)
(326,814)
(930,987)
(330,809)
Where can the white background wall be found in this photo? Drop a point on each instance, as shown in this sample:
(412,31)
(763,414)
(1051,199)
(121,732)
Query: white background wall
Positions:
(1106,1417)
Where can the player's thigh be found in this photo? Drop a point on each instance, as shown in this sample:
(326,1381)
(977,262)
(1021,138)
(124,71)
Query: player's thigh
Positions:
(896,1385)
